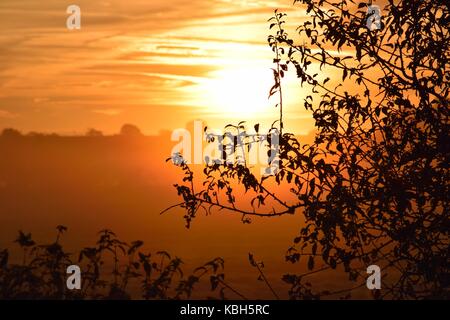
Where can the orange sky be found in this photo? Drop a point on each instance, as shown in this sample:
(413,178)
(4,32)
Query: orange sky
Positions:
(157,64)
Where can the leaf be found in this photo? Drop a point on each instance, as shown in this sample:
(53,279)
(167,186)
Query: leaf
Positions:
(344,74)
(251,259)
(311,263)
(333,263)
(312,185)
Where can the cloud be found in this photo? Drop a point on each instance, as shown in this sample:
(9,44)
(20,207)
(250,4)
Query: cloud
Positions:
(135,52)
(8,115)
(108,112)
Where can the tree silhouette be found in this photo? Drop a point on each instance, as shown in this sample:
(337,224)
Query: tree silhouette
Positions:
(42,273)
(94,133)
(373,187)
(130,130)
(11,133)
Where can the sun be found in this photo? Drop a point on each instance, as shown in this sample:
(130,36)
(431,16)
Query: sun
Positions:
(240,92)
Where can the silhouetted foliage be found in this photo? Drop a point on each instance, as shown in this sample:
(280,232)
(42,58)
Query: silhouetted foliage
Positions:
(11,133)
(374,186)
(130,130)
(94,133)
(42,273)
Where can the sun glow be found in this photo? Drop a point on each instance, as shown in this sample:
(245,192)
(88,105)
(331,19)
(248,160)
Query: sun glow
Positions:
(239,92)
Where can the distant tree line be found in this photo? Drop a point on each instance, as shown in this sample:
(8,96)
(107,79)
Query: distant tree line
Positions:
(128,130)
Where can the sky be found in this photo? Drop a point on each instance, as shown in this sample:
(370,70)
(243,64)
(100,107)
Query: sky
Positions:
(156,64)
